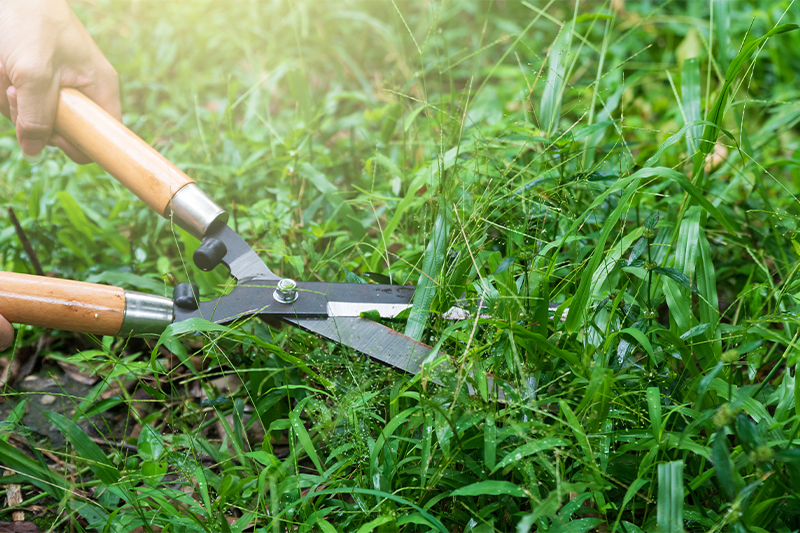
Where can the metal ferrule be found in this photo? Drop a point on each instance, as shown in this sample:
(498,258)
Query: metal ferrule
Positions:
(146,314)
(195,212)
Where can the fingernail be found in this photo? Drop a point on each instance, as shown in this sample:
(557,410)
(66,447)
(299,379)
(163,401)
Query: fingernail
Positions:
(33,159)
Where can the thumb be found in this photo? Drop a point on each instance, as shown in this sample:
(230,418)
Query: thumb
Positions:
(36,99)
(6,334)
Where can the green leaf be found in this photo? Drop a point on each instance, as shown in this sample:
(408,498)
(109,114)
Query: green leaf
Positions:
(677,136)
(76,216)
(489,439)
(722,463)
(748,433)
(720,105)
(629,494)
(378,494)
(150,443)
(557,62)
(690,99)
(326,526)
(428,283)
(302,435)
(370,526)
(581,299)
(352,277)
(383,438)
(669,508)
(36,473)
(153,472)
(654,409)
(490,488)
(641,338)
(676,275)
(86,448)
(695,331)
(530,449)
(721,31)
(638,250)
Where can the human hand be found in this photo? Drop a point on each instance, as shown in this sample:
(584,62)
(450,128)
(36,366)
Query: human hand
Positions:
(43,47)
(6,334)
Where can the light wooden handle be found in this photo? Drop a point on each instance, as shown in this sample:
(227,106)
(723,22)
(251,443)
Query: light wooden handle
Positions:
(61,304)
(133,162)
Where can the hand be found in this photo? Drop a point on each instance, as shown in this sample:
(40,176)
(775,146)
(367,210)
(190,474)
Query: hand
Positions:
(43,47)
(6,334)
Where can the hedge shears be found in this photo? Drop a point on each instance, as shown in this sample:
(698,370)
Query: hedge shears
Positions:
(331,310)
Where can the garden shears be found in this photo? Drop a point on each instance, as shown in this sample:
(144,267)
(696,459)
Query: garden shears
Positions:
(330,310)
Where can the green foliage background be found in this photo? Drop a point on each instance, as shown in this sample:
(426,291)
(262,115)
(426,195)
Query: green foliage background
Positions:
(553,161)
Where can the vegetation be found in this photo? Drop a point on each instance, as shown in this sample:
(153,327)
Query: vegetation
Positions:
(633,163)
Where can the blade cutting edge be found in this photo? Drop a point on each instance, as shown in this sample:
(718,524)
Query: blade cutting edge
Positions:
(383,344)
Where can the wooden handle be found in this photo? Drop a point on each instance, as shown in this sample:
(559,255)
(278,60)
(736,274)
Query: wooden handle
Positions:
(133,162)
(61,304)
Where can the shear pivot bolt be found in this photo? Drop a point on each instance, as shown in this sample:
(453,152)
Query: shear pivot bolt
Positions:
(286,291)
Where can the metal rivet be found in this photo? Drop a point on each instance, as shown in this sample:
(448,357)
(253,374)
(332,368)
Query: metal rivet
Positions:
(286,291)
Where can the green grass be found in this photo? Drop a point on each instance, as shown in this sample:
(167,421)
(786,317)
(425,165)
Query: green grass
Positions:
(517,153)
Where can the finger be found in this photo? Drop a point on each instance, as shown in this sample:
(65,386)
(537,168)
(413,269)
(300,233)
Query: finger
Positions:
(104,89)
(36,98)
(11,96)
(5,83)
(70,149)
(6,334)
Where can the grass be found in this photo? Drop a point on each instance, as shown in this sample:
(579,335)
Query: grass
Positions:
(632,163)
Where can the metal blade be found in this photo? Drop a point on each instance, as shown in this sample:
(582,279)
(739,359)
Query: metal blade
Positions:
(375,340)
(383,344)
(240,259)
(344,309)
(314,299)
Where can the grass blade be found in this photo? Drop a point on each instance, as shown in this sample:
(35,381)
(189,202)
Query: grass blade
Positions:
(554,83)
(690,102)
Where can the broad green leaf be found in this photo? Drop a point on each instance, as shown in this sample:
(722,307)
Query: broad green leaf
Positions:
(638,250)
(669,508)
(150,443)
(677,276)
(153,472)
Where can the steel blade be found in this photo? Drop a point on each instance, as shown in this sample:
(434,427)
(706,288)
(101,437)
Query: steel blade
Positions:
(375,340)
(314,299)
(345,309)
(385,345)
(240,259)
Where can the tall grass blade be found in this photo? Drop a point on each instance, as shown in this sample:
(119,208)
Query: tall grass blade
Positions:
(722,37)
(690,102)
(550,110)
